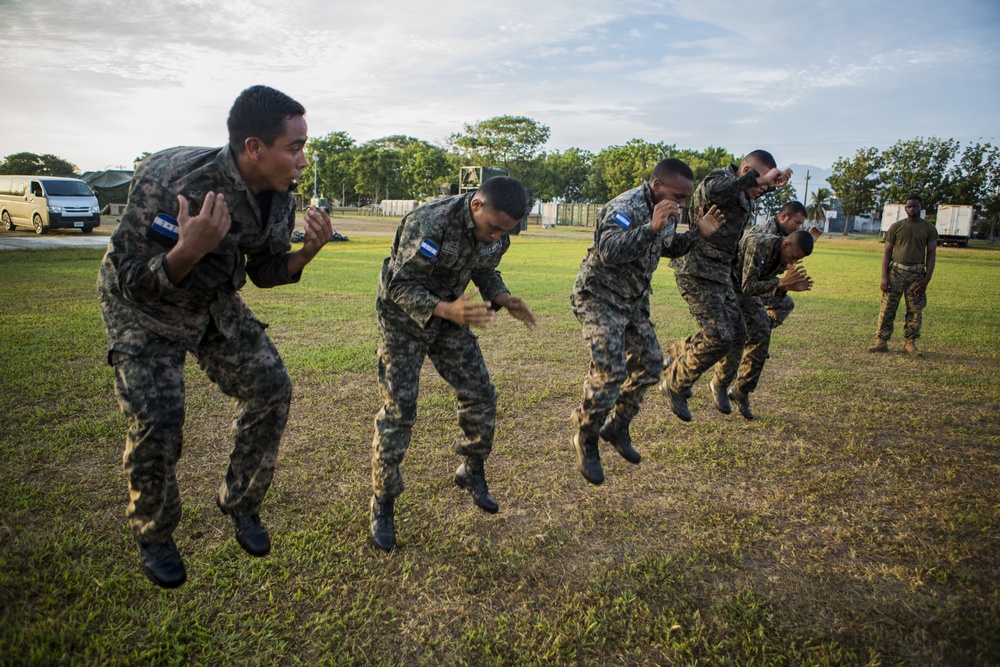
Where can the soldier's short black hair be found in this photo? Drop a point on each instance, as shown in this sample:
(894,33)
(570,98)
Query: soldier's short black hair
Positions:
(763,157)
(260,112)
(505,194)
(671,166)
(793,208)
(915,197)
(802,240)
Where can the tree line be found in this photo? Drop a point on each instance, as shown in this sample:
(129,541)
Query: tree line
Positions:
(939,171)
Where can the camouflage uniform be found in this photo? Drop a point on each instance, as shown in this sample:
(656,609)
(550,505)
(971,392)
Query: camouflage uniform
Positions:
(903,278)
(778,307)
(755,275)
(611,300)
(434,256)
(703,277)
(152,324)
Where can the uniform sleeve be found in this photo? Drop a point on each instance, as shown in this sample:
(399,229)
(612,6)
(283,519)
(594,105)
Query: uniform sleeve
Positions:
(488,280)
(138,253)
(724,188)
(619,240)
(413,266)
(755,258)
(679,244)
(269,267)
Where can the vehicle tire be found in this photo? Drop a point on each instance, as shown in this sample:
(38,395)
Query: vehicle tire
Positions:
(8,223)
(36,222)
(86,230)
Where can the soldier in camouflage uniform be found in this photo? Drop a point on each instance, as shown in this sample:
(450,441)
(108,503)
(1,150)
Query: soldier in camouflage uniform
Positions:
(907,267)
(789,219)
(423,311)
(611,300)
(761,258)
(704,274)
(197,223)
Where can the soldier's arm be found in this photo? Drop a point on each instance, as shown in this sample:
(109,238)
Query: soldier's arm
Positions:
(488,279)
(620,239)
(928,267)
(275,264)
(418,249)
(724,188)
(755,256)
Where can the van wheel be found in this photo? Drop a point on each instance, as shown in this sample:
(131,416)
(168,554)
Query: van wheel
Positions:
(36,222)
(8,224)
(86,230)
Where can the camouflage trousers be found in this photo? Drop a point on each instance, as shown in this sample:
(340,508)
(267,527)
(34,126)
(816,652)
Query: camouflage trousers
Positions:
(150,391)
(744,364)
(778,309)
(625,360)
(901,285)
(454,351)
(717,312)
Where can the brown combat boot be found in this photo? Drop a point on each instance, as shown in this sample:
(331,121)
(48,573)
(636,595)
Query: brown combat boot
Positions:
(911,348)
(879,346)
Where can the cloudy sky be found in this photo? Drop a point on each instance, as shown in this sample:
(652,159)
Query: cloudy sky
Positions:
(100,81)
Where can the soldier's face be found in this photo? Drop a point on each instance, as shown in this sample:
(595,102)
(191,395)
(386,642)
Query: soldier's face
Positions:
(913,208)
(790,223)
(280,165)
(676,188)
(488,224)
(790,253)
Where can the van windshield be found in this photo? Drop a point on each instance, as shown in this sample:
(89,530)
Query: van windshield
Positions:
(67,189)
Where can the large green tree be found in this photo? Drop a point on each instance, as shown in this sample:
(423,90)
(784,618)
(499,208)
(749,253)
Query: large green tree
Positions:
(704,162)
(919,167)
(31,164)
(620,168)
(819,203)
(423,167)
(335,153)
(770,204)
(562,176)
(505,142)
(856,182)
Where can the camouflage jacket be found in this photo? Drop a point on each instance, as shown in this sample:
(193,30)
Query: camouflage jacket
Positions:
(434,256)
(770,227)
(758,265)
(712,258)
(136,296)
(626,250)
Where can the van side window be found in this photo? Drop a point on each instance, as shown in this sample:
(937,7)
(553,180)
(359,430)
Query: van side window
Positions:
(36,188)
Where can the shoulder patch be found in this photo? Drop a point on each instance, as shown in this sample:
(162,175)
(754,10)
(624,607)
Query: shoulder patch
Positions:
(428,248)
(166,225)
(623,220)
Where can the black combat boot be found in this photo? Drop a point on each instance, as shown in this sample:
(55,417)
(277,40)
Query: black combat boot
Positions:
(678,401)
(470,475)
(616,432)
(162,563)
(719,397)
(588,458)
(383,525)
(251,533)
(742,402)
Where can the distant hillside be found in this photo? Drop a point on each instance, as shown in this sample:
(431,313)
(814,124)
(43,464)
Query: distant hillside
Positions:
(817,178)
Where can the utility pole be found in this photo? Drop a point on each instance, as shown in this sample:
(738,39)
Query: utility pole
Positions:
(315,179)
(805,199)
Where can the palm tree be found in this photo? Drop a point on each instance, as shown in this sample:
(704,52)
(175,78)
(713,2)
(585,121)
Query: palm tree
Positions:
(816,211)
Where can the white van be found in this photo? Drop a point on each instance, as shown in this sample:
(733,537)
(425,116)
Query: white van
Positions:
(47,202)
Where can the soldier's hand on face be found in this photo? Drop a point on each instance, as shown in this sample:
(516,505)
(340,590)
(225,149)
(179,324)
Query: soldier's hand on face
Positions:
(662,212)
(465,311)
(318,230)
(709,223)
(201,234)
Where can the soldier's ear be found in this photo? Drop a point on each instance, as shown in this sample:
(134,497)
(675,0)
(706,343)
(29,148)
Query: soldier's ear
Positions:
(252,146)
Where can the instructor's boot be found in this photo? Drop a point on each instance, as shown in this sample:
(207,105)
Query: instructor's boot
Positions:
(911,348)
(742,402)
(588,458)
(879,346)
(470,475)
(383,525)
(617,434)
(719,397)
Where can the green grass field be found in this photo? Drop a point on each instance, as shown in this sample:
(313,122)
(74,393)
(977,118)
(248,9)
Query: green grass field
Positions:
(855,522)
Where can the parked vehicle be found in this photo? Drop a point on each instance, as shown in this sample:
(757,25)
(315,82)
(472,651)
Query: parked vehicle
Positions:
(954,225)
(47,202)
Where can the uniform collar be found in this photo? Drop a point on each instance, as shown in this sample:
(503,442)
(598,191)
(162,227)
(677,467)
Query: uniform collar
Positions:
(229,168)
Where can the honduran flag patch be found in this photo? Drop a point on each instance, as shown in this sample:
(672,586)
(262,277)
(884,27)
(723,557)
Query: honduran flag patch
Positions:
(429,248)
(623,220)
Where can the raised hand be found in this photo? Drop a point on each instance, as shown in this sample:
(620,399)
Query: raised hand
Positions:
(200,234)
(318,230)
(519,310)
(662,212)
(465,311)
(709,223)
(795,279)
